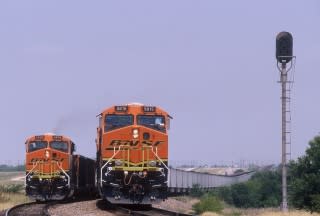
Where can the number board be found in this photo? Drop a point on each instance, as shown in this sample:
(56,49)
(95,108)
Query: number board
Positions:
(59,138)
(149,109)
(121,108)
(39,137)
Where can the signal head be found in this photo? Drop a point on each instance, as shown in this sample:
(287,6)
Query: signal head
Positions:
(284,44)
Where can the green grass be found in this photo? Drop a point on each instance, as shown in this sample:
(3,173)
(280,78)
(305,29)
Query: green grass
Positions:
(208,203)
(11,188)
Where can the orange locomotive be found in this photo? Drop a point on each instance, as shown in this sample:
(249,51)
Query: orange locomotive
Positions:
(132,154)
(53,172)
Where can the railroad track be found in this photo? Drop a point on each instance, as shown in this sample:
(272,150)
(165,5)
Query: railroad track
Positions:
(29,209)
(36,209)
(151,212)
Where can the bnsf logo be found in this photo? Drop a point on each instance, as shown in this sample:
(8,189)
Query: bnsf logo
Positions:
(134,143)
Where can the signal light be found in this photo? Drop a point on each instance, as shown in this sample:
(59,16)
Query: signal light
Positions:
(284,44)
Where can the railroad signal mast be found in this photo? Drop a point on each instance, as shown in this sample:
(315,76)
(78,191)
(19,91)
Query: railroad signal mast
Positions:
(284,43)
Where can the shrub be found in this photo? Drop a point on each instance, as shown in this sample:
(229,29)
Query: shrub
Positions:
(242,196)
(11,188)
(262,190)
(196,191)
(223,193)
(304,178)
(208,203)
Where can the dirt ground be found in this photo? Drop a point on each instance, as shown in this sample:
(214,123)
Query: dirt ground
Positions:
(182,204)
(11,177)
(259,212)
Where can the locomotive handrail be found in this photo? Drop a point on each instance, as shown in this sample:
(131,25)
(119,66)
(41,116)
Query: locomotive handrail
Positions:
(64,172)
(114,154)
(156,154)
(34,166)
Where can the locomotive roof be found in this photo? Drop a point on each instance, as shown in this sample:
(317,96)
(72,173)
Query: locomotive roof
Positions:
(49,135)
(134,105)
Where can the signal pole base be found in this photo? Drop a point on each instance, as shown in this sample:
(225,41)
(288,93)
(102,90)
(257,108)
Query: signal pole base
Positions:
(284,207)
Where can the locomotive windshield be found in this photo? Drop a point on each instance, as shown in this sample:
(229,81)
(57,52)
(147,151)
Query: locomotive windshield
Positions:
(36,145)
(117,121)
(154,122)
(59,145)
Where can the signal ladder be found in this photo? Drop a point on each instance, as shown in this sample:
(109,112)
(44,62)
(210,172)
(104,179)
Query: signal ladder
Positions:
(288,125)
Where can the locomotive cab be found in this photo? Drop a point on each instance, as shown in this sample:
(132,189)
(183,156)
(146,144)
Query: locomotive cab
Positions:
(49,167)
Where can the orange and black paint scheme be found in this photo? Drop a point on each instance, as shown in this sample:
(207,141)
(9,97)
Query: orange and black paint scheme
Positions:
(132,154)
(54,172)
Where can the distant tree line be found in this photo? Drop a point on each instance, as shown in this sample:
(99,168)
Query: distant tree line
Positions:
(10,168)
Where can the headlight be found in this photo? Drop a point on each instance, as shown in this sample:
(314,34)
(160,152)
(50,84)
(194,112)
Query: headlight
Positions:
(47,154)
(135,133)
(152,163)
(118,163)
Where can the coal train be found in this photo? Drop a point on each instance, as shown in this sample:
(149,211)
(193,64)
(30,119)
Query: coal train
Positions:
(132,154)
(131,164)
(54,172)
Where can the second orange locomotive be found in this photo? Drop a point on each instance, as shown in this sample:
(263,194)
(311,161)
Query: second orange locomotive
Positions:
(132,154)
(54,172)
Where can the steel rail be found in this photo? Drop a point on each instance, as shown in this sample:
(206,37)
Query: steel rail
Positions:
(43,212)
(153,211)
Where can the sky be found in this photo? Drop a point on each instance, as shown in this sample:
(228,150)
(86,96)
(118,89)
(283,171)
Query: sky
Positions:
(210,64)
